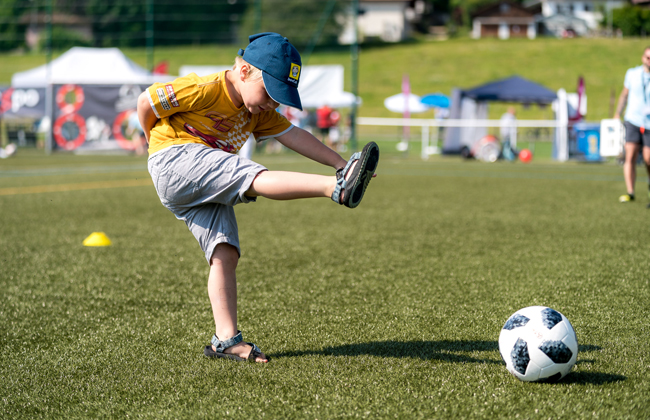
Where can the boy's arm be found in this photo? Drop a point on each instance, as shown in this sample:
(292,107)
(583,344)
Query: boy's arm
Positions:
(146,115)
(303,142)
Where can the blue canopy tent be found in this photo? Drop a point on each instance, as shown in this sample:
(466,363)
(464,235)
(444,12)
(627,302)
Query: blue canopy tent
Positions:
(472,104)
(435,100)
(513,89)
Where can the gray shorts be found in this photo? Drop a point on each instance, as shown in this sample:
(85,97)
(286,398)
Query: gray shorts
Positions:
(200,185)
(633,135)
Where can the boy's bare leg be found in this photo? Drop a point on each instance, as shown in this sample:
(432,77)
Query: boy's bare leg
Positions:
(279,185)
(222,289)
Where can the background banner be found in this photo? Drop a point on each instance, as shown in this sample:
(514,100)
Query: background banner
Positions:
(94,117)
(22,102)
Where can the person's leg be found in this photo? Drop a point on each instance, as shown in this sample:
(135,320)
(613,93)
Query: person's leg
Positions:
(222,289)
(646,160)
(209,215)
(629,167)
(278,185)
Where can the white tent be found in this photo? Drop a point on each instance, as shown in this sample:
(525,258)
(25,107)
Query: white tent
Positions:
(398,103)
(79,65)
(109,84)
(323,85)
(319,85)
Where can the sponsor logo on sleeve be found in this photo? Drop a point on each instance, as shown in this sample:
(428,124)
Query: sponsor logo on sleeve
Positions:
(172,95)
(294,74)
(163,99)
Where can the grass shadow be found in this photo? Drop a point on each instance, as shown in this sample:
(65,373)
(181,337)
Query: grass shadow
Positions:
(425,350)
(445,350)
(583,348)
(588,347)
(592,378)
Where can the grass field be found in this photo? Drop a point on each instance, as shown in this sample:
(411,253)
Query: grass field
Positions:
(391,310)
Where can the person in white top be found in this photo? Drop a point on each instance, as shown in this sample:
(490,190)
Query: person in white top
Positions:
(635,97)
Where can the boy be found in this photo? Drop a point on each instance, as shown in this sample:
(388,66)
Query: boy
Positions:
(195,126)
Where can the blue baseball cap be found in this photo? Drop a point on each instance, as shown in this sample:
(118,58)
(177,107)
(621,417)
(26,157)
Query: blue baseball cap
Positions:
(280,64)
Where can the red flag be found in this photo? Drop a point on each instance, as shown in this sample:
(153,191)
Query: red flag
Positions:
(581,92)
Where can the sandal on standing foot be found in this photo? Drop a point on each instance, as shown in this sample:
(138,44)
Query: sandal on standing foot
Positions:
(355,186)
(221,346)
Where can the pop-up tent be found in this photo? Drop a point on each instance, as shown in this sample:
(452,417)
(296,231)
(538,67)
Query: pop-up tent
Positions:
(79,65)
(513,89)
(323,85)
(472,104)
(401,103)
(90,94)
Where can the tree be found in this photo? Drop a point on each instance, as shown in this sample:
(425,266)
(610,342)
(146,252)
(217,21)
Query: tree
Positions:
(12,33)
(124,22)
(632,20)
(298,20)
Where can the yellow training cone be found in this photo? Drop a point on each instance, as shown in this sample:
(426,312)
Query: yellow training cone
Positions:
(97,239)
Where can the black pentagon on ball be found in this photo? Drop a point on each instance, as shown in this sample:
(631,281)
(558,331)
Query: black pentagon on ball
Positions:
(550,318)
(557,351)
(520,357)
(517,320)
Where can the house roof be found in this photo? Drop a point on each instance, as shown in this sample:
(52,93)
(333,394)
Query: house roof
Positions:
(502,9)
(564,19)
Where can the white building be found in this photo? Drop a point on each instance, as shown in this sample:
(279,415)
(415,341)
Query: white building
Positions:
(589,11)
(505,19)
(388,20)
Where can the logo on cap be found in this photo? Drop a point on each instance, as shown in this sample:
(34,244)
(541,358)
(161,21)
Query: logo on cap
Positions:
(295,73)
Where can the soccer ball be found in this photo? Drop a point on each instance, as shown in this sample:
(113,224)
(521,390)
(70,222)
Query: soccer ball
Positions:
(538,344)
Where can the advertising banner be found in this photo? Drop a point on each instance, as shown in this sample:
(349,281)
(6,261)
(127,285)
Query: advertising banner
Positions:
(94,117)
(22,102)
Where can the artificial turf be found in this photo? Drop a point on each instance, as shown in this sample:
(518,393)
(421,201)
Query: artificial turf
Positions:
(391,310)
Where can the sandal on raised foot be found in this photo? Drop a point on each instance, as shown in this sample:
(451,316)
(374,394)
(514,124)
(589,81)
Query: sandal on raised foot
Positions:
(355,186)
(221,346)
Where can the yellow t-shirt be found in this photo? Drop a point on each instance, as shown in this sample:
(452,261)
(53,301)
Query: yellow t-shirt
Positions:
(195,109)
